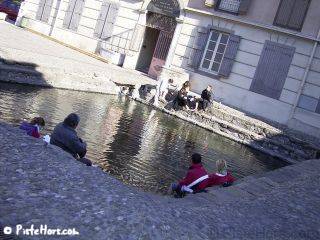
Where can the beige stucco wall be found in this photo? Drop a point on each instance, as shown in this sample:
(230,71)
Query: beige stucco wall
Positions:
(262,11)
(234,91)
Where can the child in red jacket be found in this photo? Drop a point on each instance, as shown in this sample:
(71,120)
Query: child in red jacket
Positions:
(222,176)
(195,181)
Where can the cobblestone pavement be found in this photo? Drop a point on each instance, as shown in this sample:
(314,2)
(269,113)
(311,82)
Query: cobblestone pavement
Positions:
(19,45)
(43,185)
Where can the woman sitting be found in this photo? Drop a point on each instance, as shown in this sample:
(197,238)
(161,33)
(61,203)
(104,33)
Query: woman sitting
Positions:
(181,100)
(33,128)
(222,176)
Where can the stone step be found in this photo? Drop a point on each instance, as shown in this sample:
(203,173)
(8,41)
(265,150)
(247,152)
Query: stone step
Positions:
(249,131)
(277,146)
(260,127)
(257,137)
(255,186)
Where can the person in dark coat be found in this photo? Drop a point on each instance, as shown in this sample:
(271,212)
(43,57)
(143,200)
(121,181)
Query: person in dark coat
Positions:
(65,136)
(196,179)
(206,98)
(181,100)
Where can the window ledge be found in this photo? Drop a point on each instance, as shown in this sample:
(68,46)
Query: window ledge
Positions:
(260,25)
(207,74)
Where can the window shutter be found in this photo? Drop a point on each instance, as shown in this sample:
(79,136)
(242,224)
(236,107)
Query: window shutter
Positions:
(76,15)
(230,55)
(272,69)
(308,103)
(199,44)
(137,37)
(110,20)
(47,10)
(69,12)
(298,14)
(101,19)
(40,9)
(244,7)
(284,12)
(318,107)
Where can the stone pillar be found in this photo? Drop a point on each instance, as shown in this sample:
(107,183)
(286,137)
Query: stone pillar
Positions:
(178,75)
(21,14)
(131,58)
(174,43)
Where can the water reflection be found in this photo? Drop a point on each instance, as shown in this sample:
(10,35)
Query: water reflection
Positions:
(131,141)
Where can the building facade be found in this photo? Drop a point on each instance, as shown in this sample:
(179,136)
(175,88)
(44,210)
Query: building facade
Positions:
(262,57)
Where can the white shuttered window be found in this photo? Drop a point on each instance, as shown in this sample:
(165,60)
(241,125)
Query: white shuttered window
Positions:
(214,52)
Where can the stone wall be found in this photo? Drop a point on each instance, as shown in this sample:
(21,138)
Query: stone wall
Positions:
(273,140)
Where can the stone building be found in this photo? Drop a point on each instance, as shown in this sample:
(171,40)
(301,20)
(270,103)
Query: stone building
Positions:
(261,56)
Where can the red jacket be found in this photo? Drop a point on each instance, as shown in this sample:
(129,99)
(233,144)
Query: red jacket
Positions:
(195,172)
(31,130)
(217,179)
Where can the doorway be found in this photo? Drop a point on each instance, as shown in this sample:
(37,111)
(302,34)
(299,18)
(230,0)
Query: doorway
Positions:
(146,54)
(156,43)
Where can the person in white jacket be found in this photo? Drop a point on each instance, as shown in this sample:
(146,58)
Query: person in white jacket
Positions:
(162,90)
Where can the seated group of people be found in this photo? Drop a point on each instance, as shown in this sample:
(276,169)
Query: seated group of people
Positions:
(190,102)
(64,136)
(197,178)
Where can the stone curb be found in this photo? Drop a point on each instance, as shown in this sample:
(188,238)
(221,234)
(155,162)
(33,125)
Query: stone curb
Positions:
(239,135)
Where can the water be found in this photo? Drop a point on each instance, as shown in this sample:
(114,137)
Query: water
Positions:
(131,141)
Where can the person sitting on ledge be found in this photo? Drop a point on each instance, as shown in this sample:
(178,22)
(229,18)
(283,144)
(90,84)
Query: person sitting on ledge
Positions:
(222,176)
(33,128)
(65,136)
(181,100)
(195,181)
(206,98)
(193,103)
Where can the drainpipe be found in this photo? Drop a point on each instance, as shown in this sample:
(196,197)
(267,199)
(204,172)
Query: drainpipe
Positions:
(304,79)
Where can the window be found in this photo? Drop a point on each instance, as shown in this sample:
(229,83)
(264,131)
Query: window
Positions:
(105,22)
(44,10)
(291,14)
(214,52)
(230,5)
(73,14)
(272,69)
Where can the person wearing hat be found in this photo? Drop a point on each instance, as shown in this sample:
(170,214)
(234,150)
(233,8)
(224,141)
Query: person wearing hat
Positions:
(65,136)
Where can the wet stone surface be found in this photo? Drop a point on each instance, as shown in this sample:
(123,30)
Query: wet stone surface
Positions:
(43,185)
